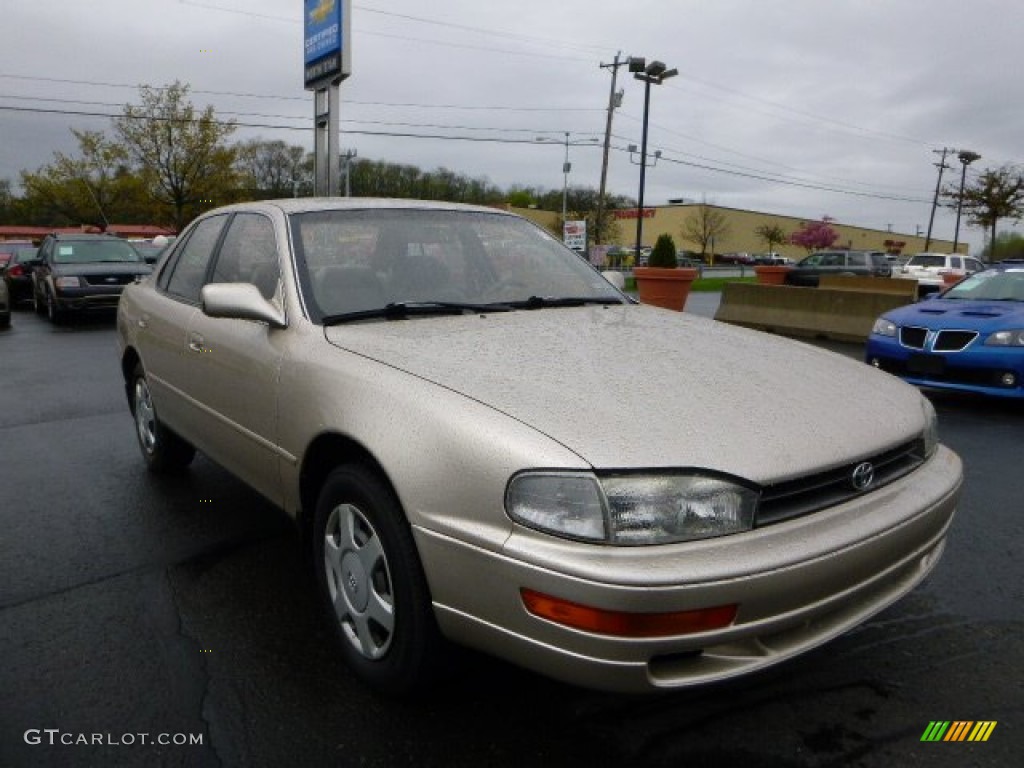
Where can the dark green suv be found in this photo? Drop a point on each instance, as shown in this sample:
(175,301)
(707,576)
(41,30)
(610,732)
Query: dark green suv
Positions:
(863,263)
(83,273)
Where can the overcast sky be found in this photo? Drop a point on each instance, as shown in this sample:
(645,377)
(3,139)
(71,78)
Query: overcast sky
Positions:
(799,107)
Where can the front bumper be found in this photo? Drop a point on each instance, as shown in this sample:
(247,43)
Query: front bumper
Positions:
(978,369)
(87,300)
(798,584)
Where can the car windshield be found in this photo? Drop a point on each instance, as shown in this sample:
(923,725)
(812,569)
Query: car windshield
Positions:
(352,263)
(990,285)
(92,251)
(927,260)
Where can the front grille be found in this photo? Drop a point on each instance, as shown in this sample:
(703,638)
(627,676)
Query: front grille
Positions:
(108,281)
(804,495)
(913,337)
(953,341)
(975,377)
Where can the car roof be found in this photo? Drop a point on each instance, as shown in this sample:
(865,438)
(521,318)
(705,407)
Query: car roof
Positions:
(292,205)
(85,236)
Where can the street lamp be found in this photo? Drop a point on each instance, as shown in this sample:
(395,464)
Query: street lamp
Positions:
(654,73)
(966,158)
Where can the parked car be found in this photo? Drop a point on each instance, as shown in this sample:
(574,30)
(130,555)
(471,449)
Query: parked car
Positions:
(413,400)
(83,273)
(18,273)
(771,260)
(929,269)
(969,338)
(7,249)
(5,306)
(808,271)
(150,250)
(735,258)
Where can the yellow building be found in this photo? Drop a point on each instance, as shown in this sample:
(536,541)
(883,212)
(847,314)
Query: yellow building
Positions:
(739,231)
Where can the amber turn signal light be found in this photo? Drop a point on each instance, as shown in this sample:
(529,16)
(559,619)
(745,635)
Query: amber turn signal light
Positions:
(625,623)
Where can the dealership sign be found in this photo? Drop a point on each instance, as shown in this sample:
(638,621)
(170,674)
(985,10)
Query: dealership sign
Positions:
(574,235)
(327,41)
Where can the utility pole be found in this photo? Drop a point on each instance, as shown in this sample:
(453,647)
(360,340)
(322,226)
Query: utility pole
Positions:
(614,100)
(941,165)
(347,161)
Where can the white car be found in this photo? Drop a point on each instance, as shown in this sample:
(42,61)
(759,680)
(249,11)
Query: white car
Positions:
(929,269)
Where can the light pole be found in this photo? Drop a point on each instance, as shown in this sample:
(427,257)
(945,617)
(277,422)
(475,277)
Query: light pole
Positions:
(966,158)
(654,73)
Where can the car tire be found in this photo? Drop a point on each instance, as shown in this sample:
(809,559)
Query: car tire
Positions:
(54,313)
(162,450)
(5,320)
(372,584)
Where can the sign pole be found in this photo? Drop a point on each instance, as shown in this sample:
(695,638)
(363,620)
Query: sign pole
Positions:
(327,61)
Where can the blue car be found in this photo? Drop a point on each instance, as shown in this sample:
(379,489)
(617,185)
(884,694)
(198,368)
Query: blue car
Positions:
(970,338)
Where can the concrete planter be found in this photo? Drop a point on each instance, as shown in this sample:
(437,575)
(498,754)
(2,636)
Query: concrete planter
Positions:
(667,288)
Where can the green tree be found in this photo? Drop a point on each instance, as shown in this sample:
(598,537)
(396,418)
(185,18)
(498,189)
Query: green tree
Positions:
(664,253)
(996,194)
(1007,245)
(181,153)
(772,235)
(705,226)
(95,186)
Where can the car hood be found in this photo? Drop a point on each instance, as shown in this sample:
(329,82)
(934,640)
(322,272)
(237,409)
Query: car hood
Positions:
(943,314)
(102,268)
(633,386)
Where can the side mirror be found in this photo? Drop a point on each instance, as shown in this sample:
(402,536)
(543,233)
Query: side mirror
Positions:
(240,301)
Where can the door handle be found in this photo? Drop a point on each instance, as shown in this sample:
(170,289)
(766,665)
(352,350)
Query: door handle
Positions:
(195,343)
(143,322)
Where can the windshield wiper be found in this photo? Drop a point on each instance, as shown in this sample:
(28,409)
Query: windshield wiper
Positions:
(400,310)
(543,302)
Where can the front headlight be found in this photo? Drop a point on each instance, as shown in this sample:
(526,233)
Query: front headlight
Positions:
(1013,338)
(68,282)
(930,435)
(884,327)
(631,510)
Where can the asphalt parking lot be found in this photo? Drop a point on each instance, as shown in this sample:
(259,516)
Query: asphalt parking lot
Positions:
(133,605)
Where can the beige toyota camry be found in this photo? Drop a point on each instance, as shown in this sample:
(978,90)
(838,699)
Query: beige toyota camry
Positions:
(487,443)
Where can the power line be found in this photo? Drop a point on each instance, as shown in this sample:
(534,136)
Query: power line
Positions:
(500,140)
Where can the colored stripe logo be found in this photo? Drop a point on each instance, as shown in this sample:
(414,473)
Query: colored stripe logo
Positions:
(958,730)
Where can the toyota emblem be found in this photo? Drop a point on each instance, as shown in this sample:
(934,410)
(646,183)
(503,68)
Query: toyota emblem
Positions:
(863,476)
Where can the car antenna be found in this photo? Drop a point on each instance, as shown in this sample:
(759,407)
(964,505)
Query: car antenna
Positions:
(106,224)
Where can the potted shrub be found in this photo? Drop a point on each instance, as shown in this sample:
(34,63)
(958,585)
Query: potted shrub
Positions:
(662,283)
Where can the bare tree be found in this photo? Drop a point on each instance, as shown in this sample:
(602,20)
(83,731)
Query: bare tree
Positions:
(271,169)
(181,153)
(705,226)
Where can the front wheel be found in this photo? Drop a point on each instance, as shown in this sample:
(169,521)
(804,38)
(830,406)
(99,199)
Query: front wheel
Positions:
(372,584)
(162,450)
(54,313)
